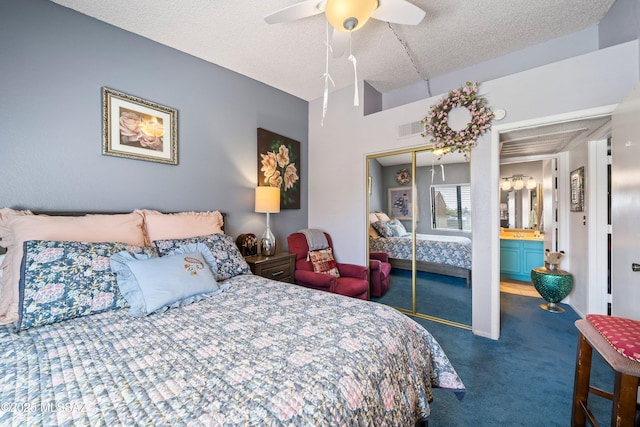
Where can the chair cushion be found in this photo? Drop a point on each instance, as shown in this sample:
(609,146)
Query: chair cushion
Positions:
(623,334)
(323,262)
(352,287)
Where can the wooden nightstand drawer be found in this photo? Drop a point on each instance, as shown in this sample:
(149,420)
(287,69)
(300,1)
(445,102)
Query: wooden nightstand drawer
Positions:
(279,267)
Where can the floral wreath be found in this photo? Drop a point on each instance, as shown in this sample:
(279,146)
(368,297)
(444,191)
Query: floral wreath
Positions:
(447,140)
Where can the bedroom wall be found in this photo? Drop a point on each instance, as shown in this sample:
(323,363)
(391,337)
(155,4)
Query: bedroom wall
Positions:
(54,62)
(587,81)
(455,173)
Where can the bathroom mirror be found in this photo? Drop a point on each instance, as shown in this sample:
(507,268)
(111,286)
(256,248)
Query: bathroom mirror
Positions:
(522,208)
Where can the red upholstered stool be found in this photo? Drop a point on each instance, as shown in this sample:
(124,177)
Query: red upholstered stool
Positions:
(617,340)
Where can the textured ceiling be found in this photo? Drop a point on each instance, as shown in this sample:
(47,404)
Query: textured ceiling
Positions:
(291,56)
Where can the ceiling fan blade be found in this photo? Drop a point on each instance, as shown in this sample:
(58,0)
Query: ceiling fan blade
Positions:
(339,42)
(398,12)
(296,11)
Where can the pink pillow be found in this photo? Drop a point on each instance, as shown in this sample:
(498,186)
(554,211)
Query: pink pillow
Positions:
(125,228)
(383,216)
(182,225)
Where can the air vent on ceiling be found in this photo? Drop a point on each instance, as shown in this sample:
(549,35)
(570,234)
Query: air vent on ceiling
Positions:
(410,129)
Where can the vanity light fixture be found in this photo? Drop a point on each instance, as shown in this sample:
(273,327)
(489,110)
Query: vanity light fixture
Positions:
(517,182)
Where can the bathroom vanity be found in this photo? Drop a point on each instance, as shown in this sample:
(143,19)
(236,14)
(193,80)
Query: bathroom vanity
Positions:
(521,250)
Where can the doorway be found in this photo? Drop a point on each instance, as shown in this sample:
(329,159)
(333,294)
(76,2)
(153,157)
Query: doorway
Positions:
(571,130)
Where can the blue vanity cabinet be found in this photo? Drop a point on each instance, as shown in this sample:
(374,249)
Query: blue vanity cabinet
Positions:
(519,257)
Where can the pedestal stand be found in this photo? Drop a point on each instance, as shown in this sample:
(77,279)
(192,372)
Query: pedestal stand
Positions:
(553,285)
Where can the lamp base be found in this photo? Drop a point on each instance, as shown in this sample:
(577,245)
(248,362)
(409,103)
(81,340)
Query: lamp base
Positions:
(268,243)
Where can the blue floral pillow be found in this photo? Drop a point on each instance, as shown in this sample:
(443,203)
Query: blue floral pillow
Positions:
(397,228)
(63,280)
(228,258)
(383,228)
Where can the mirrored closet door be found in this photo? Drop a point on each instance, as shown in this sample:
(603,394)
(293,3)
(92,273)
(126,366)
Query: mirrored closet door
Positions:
(419,211)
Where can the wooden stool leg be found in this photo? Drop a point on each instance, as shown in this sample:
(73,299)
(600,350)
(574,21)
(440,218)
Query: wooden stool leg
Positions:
(625,394)
(581,382)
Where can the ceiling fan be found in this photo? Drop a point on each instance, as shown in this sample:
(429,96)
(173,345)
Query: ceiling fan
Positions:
(349,15)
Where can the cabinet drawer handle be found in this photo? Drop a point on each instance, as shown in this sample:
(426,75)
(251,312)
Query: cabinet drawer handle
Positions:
(277,273)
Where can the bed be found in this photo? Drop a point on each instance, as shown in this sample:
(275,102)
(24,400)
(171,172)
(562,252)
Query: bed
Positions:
(448,255)
(250,351)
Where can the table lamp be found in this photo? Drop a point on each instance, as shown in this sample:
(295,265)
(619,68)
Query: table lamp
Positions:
(268,201)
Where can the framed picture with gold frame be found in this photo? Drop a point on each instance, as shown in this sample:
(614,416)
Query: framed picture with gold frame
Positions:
(137,128)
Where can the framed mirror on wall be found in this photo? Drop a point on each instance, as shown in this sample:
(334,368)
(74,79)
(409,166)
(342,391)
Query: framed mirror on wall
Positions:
(412,200)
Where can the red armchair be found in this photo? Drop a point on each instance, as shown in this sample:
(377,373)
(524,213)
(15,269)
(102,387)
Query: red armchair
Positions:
(352,281)
(380,273)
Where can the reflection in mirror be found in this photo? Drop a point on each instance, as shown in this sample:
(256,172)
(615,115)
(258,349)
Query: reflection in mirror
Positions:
(521,206)
(383,184)
(439,287)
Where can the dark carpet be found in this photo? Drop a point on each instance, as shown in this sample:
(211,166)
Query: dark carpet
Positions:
(523,379)
(439,296)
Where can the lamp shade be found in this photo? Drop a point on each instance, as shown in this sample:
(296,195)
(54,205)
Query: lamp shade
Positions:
(349,15)
(518,183)
(268,199)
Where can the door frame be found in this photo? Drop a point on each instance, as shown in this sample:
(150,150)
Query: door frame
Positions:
(496,130)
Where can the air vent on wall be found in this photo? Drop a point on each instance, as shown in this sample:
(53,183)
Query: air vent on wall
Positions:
(410,129)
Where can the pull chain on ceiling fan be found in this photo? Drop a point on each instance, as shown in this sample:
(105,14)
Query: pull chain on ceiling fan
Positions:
(347,16)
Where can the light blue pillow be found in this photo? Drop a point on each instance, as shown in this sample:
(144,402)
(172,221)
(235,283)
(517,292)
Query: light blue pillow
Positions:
(151,284)
(230,261)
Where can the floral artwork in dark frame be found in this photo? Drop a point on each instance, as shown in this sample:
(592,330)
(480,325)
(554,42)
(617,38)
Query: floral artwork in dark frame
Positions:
(279,165)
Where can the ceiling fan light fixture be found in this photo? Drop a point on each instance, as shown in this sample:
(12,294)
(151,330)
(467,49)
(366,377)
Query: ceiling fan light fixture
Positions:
(349,15)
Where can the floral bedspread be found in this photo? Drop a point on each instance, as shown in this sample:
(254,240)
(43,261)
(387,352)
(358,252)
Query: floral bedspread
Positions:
(261,353)
(450,250)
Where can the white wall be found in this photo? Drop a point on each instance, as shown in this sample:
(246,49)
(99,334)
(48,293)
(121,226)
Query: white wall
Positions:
(576,249)
(338,149)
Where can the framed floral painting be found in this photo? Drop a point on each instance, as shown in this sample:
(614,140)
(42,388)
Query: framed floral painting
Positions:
(279,166)
(136,128)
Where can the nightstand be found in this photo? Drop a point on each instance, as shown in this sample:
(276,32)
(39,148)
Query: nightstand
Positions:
(280,266)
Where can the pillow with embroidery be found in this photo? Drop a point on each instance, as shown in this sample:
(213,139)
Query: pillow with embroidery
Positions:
(229,260)
(323,262)
(383,228)
(62,280)
(152,284)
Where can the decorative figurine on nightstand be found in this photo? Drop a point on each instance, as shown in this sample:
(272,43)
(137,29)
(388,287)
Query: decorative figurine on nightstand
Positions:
(552,283)
(248,244)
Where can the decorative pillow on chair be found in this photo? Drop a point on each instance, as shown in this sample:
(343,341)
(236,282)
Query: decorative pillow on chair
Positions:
(323,262)
(383,228)
(230,262)
(151,284)
(63,280)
